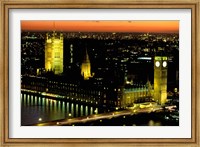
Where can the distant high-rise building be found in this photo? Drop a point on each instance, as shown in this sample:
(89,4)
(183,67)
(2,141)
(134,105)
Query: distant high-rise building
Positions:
(160,79)
(86,67)
(71,53)
(54,52)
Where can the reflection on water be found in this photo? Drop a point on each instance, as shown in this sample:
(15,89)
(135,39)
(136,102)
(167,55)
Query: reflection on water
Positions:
(35,109)
(153,123)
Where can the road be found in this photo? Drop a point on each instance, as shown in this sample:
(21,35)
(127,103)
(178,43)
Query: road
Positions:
(95,117)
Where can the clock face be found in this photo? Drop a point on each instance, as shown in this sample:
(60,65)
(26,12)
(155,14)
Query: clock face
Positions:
(157,63)
(164,64)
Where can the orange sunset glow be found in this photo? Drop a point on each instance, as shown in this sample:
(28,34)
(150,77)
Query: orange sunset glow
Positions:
(102,26)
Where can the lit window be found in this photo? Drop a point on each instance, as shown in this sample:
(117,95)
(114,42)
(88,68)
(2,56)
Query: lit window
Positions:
(57,55)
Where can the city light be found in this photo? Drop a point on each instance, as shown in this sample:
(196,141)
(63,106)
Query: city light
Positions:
(119,77)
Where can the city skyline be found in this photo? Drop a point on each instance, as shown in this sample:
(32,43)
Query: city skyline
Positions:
(156,26)
(84,78)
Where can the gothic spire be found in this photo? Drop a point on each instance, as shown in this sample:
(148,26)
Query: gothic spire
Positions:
(86,57)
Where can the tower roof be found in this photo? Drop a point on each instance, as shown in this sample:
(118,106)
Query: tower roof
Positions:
(86,57)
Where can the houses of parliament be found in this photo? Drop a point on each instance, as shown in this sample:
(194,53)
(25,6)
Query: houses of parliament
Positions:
(106,88)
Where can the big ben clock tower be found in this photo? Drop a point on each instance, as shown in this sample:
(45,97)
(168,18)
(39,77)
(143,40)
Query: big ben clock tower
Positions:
(160,79)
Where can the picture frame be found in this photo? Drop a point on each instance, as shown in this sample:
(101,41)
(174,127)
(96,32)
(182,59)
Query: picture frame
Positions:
(111,4)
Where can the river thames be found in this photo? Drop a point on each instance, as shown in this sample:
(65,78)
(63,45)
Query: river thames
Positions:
(38,109)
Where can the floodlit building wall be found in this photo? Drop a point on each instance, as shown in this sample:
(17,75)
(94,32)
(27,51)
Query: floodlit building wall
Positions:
(54,53)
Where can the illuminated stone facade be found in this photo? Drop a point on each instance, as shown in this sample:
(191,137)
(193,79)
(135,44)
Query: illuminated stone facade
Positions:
(160,79)
(139,94)
(54,53)
(86,67)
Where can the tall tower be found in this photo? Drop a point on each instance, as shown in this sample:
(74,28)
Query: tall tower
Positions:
(160,79)
(54,52)
(86,67)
